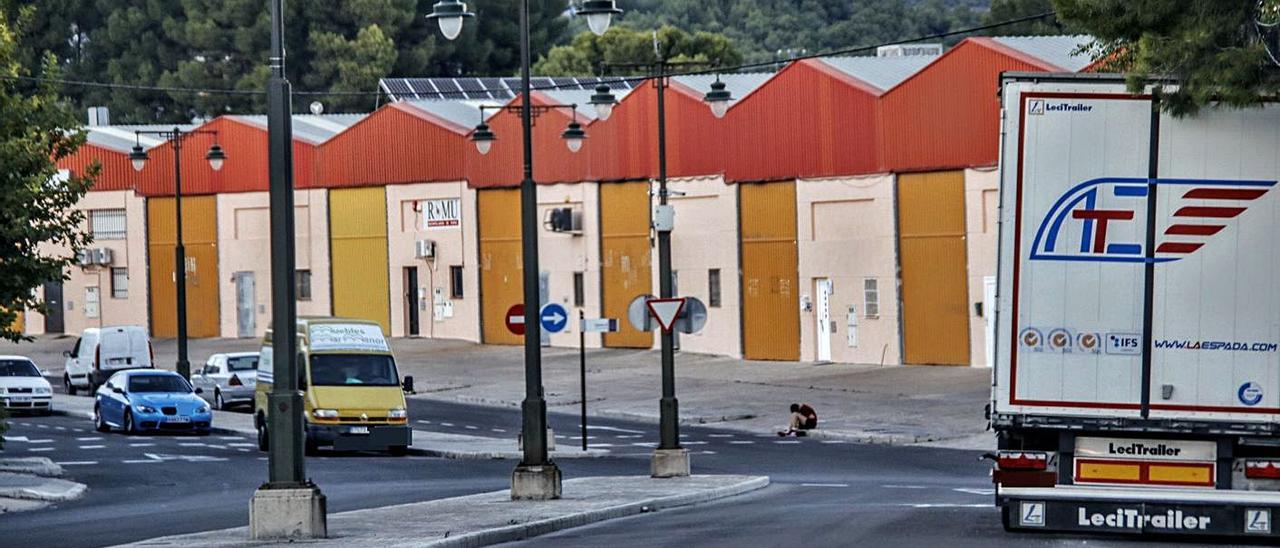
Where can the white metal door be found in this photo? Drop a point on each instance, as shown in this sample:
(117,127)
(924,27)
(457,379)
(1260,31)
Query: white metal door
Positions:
(245,304)
(824,330)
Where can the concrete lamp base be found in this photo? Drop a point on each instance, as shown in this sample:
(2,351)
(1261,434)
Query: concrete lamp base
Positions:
(670,463)
(292,514)
(535,482)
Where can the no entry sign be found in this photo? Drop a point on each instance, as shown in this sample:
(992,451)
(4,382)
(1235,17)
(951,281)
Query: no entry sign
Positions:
(515,319)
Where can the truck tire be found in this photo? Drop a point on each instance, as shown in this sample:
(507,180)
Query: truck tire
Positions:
(1005,520)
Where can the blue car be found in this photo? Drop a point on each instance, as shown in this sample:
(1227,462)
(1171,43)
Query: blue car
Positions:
(143,400)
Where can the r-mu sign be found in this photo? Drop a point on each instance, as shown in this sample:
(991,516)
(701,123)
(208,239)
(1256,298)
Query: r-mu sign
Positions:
(441,214)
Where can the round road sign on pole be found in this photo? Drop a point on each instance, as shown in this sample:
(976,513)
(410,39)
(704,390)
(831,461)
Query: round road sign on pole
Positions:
(693,317)
(554,317)
(638,313)
(515,319)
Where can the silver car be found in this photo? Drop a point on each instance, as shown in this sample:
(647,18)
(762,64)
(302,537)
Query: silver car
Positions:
(228,379)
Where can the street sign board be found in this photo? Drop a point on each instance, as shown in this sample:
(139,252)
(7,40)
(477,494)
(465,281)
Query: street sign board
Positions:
(599,325)
(515,319)
(638,313)
(666,311)
(554,317)
(693,317)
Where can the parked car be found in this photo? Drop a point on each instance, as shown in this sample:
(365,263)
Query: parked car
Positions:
(228,379)
(23,387)
(142,400)
(101,352)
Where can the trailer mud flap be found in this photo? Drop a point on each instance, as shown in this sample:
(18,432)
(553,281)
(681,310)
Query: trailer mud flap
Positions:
(1140,517)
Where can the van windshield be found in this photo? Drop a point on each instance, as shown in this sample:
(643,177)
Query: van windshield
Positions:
(353,370)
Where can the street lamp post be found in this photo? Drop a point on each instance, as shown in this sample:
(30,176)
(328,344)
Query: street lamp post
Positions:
(288,506)
(536,477)
(138,157)
(669,459)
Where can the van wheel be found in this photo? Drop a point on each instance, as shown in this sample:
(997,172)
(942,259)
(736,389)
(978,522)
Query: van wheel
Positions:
(66,384)
(264,443)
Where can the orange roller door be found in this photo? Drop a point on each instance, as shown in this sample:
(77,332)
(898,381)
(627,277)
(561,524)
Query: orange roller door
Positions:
(770,286)
(625,258)
(935,317)
(358,228)
(501,268)
(200,238)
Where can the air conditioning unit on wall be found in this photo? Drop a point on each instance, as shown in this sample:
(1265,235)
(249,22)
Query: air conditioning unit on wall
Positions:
(563,219)
(424,249)
(95,257)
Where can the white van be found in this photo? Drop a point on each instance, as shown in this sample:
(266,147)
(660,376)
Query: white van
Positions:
(101,352)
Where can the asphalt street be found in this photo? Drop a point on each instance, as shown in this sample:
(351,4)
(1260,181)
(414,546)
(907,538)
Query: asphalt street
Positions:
(824,492)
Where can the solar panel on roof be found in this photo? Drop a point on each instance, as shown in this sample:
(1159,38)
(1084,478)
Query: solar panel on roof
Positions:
(566,83)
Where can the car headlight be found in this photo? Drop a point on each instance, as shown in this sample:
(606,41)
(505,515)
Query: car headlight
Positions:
(44,391)
(398,414)
(202,410)
(324,413)
(146,409)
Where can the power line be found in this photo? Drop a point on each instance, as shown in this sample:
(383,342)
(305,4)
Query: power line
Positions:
(553,86)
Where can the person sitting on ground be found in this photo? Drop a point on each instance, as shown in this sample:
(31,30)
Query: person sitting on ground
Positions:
(803,418)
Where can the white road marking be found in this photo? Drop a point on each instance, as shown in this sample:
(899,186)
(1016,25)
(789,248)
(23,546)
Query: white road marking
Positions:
(905,486)
(943,505)
(645,444)
(242,445)
(42,426)
(424,422)
(76,462)
(38,449)
(230,438)
(445,424)
(824,485)
(25,423)
(93,446)
(589,437)
(39,441)
(834,441)
(77,430)
(719,435)
(497,430)
(787,442)
(613,429)
(602,445)
(741,442)
(694,443)
(983,492)
(16,438)
(469,427)
(140,461)
(704,452)
(142,445)
(243,450)
(59,428)
(262,458)
(90,438)
(193,445)
(630,436)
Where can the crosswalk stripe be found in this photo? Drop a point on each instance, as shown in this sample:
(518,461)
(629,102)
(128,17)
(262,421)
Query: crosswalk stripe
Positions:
(92,446)
(142,445)
(140,461)
(76,462)
(787,442)
(741,442)
(719,435)
(38,449)
(90,438)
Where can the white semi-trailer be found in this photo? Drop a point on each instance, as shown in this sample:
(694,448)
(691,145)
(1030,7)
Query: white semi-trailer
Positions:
(1137,382)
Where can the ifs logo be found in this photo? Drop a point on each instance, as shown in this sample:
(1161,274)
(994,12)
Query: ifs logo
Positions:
(1082,225)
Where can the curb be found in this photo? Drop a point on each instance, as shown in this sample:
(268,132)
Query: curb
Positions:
(725,422)
(38,466)
(542,527)
(71,491)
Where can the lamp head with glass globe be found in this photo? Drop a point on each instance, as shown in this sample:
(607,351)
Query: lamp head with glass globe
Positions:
(599,14)
(450,14)
(604,101)
(718,98)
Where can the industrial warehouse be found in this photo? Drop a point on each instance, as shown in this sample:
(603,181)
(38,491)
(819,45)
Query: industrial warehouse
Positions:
(843,209)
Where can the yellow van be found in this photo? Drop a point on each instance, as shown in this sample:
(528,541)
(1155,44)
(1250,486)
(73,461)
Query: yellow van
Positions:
(353,399)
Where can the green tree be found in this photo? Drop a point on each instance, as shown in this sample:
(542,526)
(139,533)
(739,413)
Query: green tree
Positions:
(41,231)
(1005,10)
(1215,50)
(626,45)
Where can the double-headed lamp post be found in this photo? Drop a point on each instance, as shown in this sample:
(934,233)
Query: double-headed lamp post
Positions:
(669,459)
(138,157)
(536,477)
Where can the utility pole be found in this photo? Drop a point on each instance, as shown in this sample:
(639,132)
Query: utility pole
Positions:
(287,493)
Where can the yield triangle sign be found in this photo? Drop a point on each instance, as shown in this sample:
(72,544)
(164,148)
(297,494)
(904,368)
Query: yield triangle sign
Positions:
(665,311)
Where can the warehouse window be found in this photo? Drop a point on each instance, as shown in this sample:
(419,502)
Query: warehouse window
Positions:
(579,292)
(871,298)
(455,282)
(303,288)
(107,224)
(713,288)
(119,283)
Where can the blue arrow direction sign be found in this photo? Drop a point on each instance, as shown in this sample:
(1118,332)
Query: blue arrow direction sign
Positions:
(554,318)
